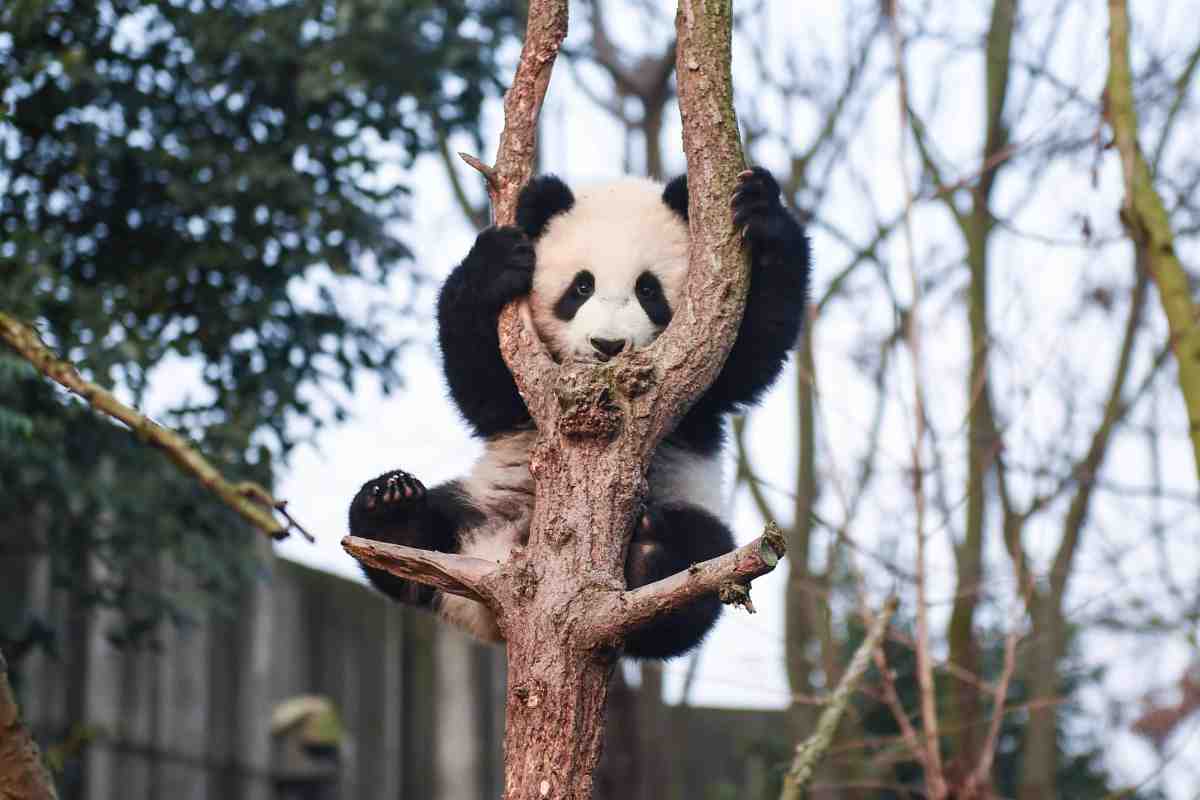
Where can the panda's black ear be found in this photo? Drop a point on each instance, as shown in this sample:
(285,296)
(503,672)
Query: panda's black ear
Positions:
(676,196)
(540,200)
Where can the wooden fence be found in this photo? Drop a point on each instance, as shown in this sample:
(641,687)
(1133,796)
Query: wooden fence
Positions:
(422,704)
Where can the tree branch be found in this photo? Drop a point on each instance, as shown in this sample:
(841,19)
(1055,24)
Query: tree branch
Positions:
(810,751)
(465,576)
(619,613)
(248,499)
(1148,224)
(544,34)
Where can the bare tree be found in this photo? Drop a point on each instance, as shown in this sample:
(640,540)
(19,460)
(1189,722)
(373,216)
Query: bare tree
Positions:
(1015,485)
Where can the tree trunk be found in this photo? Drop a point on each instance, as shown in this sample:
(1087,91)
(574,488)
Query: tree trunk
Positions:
(23,776)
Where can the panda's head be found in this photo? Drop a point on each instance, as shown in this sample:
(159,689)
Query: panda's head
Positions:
(611,263)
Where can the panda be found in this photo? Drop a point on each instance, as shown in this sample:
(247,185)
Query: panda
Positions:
(604,270)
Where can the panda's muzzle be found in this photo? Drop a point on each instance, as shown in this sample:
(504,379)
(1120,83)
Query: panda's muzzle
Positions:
(607,348)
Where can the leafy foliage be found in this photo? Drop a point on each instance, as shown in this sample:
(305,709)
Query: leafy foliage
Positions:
(198,182)
(171,170)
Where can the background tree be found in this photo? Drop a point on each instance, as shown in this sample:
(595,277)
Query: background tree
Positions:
(186,193)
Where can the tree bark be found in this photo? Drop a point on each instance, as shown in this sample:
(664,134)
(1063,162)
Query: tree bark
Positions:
(23,776)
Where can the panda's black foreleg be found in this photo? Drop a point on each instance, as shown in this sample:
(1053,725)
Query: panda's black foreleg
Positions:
(775,305)
(397,508)
(498,269)
(668,539)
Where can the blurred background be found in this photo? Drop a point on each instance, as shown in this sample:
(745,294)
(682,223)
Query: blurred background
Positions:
(236,213)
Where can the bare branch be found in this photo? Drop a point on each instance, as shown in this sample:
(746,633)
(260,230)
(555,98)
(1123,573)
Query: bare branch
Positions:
(544,34)
(465,576)
(1148,223)
(929,718)
(489,173)
(618,614)
(250,500)
(987,755)
(476,215)
(810,751)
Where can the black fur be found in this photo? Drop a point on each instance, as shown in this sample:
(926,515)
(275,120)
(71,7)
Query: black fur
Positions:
(775,306)
(668,539)
(396,508)
(498,269)
(650,296)
(676,196)
(541,199)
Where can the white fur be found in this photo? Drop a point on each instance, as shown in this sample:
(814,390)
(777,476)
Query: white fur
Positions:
(616,231)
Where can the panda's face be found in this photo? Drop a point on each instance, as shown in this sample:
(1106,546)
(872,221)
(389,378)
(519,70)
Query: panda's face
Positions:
(610,271)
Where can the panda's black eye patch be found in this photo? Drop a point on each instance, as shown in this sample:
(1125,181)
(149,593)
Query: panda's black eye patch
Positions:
(650,295)
(577,293)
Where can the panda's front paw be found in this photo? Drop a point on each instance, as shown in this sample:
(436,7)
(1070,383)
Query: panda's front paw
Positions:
(385,504)
(502,263)
(757,209)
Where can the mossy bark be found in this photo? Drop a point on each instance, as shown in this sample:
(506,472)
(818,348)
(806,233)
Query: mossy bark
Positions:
(1149,225)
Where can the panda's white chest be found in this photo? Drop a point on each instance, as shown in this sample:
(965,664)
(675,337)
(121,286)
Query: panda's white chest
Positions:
(501,487)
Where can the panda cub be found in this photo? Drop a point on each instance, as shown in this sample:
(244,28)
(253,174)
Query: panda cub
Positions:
(604,271)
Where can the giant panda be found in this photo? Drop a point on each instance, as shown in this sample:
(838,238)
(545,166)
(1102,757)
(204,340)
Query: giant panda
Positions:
(603,271)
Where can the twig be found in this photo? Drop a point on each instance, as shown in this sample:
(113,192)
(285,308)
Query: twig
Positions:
(929,720)
(489,174)
(892,700)
(810,751)
(631,609)
(982,773)
(465,576)
(249,499)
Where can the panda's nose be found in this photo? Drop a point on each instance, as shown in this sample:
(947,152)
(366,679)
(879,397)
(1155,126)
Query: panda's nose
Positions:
(607,347)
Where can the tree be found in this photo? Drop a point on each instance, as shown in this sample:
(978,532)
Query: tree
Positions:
(560,601)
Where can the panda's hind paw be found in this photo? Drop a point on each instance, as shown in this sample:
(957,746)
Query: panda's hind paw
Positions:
(390,497)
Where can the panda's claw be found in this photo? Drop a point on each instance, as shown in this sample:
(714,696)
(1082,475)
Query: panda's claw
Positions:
(391,496)
(757,208)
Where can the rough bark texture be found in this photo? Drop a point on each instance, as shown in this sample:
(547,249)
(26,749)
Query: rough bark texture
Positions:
(1148,223)
(462,575)
(23,776)
(561,601)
